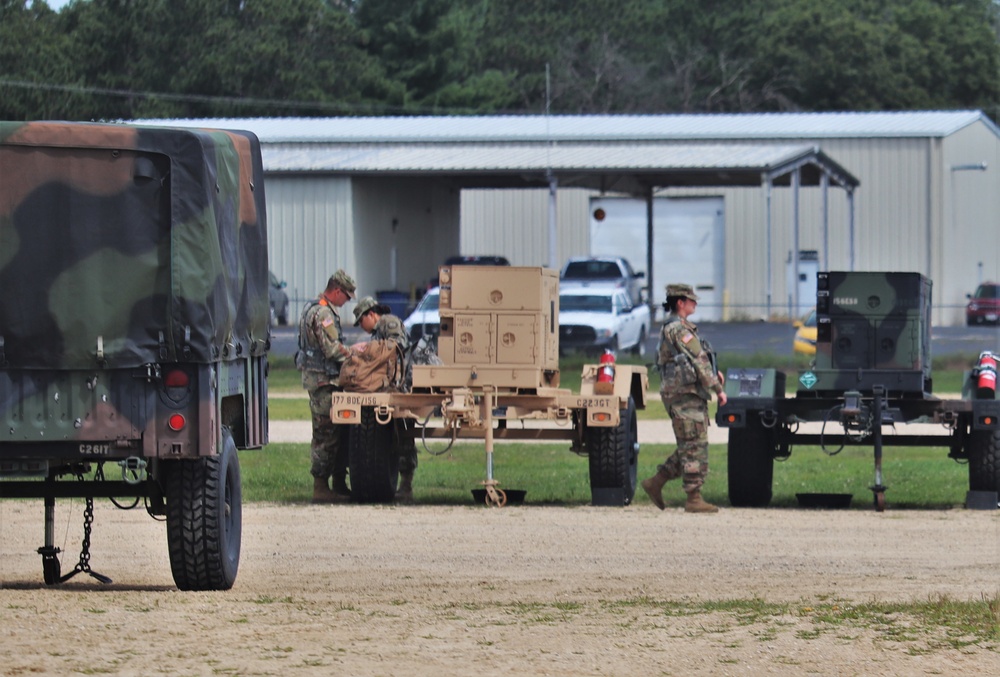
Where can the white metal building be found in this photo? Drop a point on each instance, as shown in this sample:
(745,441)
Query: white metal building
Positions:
(389,198)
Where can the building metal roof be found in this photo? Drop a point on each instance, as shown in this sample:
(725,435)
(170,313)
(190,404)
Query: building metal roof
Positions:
(607,167)
(583,128)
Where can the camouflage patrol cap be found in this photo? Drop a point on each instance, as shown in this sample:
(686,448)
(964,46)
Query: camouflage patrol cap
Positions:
(366,304)
(344,281)
(682,290)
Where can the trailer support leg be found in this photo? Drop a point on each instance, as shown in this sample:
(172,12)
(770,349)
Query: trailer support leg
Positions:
(878,489)
(51,569)
(494,496)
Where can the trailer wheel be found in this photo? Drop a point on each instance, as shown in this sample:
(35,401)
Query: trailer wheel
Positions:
(614,455)
(374,460)
(984,460)
(205,518)
(751,464)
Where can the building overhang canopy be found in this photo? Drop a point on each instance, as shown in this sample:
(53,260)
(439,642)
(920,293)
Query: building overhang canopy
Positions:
(607,167)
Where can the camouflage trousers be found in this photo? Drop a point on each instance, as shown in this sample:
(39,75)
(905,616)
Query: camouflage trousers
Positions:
(689,415)
(328,450)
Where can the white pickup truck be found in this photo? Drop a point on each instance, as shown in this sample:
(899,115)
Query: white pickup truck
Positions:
(597,318)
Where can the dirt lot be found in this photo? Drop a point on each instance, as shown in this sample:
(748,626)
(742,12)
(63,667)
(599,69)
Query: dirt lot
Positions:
(354,590)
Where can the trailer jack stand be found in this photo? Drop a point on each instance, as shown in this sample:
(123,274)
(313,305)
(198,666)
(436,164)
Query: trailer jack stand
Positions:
(878,489)
(51,568)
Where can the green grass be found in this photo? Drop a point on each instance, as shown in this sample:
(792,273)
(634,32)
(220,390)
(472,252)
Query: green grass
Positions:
(551,474)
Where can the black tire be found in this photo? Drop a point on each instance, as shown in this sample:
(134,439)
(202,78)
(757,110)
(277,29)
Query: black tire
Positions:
(614,454)
(283,318)
(984,460)
(374,460)
(205,518)
(751,464)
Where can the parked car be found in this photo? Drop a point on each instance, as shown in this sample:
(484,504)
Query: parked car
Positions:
(279,300)
(804,342)
(590,270)
(424,320)
(595,318)
(984,305)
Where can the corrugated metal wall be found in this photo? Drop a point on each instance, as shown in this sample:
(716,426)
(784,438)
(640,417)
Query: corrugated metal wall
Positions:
(388,233)
(310,232)
(904,221)
(514,223)
(967,245)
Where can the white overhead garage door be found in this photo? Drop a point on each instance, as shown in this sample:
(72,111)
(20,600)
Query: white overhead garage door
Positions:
(688,243)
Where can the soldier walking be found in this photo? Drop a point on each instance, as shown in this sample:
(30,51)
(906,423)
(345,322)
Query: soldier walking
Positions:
(321,353)
(687,380)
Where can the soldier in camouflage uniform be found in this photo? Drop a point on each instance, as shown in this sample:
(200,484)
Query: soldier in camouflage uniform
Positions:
(376,319)
(321,352)
(687,381)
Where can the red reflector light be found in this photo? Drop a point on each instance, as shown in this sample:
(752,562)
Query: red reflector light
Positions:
(176,422)
(176,379)
(731,418)
(987,420)
(601,416)
(345,414)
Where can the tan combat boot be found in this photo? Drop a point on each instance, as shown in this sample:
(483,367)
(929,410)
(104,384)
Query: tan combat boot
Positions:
(695,503)
(404,494)
(654,488)
(323,494)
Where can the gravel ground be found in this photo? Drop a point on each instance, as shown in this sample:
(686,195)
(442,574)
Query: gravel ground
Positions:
(436,590)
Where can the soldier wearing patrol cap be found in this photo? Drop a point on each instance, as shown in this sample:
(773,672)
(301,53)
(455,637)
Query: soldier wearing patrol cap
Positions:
(687,381)
(377,320)
(321,353)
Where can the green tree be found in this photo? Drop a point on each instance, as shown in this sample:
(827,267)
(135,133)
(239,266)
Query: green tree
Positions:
(433,49)
(33,58)
(222,57)
(871,55)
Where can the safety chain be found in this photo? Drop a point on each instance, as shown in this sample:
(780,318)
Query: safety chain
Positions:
(84,564)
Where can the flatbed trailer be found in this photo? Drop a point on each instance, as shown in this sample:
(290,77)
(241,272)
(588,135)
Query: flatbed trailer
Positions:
(499,342)
(872,372)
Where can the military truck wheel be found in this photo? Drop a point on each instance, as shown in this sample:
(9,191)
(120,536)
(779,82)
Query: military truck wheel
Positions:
(374,460)
(205,518)
(984,460)
(751,464)
(614,456)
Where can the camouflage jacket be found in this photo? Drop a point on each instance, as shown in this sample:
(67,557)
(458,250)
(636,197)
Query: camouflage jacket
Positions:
(685,361)
(391,327)
(321,351)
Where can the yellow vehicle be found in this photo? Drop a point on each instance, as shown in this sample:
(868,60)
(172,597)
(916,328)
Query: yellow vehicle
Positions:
(804,342)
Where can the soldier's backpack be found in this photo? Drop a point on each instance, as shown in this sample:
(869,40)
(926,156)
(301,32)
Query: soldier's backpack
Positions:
(377,368)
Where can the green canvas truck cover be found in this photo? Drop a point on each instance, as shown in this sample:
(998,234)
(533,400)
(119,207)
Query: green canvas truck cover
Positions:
(122,246)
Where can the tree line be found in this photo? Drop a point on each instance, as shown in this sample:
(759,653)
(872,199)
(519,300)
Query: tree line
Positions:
(126,59)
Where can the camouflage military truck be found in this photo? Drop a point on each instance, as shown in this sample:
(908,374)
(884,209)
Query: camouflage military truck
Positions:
(872,369)
(134,324)
(499,344)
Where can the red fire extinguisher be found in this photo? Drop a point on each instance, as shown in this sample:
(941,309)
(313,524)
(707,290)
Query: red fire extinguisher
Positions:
(606,374)
(986,376)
